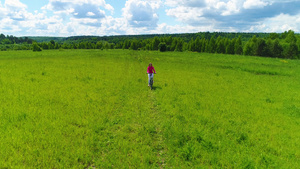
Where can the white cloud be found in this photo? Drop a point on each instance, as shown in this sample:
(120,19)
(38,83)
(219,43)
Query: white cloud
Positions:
(16,20)
(58,5)
(90,14)
(186,3)
(163,28)
(280,23)
(140,13)
(94,17)
(192,16)
(87,11)
(86,21)
(72,18)
(8,25)
(14,9)
(14,4)
(200,12)
(235,15)
(79,17)
(3,11)
(113,26)
(251,4)
(79,8)
(41,25)
(232,7)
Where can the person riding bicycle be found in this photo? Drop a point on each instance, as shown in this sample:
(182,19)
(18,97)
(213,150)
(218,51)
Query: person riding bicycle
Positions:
(150,71)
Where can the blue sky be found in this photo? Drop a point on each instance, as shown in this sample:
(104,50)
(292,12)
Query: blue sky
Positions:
(130,17)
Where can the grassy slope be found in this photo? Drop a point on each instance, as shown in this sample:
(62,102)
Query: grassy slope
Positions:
(89,108)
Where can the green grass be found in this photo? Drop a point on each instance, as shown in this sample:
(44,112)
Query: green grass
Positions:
(93,109)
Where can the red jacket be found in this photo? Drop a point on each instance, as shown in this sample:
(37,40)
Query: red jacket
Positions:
(150,69)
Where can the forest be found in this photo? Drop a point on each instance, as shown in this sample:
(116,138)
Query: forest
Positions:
(276,45)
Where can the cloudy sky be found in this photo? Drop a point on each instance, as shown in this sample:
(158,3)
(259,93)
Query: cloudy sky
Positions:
(127,17)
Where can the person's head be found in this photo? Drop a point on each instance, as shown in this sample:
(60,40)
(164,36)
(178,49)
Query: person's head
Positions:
(150,64)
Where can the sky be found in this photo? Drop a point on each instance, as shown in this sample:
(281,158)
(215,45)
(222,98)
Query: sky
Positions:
(133,17)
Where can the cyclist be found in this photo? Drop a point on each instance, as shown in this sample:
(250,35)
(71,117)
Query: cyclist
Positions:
(150,71)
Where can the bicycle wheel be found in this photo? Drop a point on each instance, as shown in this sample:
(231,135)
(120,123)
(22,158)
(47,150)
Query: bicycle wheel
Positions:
(151,83)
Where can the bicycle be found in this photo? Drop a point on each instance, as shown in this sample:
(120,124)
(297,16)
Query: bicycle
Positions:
(151,80)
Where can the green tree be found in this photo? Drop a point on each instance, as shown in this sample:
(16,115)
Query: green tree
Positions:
(148,47)
(44,45)
(254,39)
(212,45)
(238,48)
(276,49)
(198,44)
(179,45)
(174,43)
(2,36)
(192,45)
(206,49)
(284,35)
(162,46)
(221,46)
(36,47)
(82,45)
(260,48)
(126,44)
(52,42)
(155,43)
(269,43)
(273,36)
(99,45)
(134,45)
(73,46)
(248,49)
(88,45)
(6,42)
(291,38)
(169,41)
(65,46)
(57,46)
(292,51)
(230,47)
(111,46)
(106,46)
(51,45)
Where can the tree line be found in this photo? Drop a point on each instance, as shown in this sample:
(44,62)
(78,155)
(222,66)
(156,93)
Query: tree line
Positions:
(277,45)
(10,42)
(9,39)
(285,45)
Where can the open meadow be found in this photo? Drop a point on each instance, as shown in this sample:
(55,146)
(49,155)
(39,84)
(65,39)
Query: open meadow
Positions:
(93,109)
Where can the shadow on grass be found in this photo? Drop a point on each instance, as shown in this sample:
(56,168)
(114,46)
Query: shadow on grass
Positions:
(156,88)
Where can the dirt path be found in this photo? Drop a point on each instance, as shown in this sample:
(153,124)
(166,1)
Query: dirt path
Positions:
(158,140)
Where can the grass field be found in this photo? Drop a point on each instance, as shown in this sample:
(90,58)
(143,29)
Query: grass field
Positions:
(93,109)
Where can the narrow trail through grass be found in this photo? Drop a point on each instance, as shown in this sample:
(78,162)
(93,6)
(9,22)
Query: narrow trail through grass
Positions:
(154,117)
(158,140)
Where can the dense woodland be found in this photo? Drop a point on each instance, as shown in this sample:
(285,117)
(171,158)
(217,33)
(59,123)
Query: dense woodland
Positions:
(277,45)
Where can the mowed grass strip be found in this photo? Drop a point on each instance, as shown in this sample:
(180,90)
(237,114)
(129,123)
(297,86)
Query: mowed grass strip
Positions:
(92,109)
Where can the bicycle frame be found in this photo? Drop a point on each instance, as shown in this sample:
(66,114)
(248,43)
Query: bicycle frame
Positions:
(151,80)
